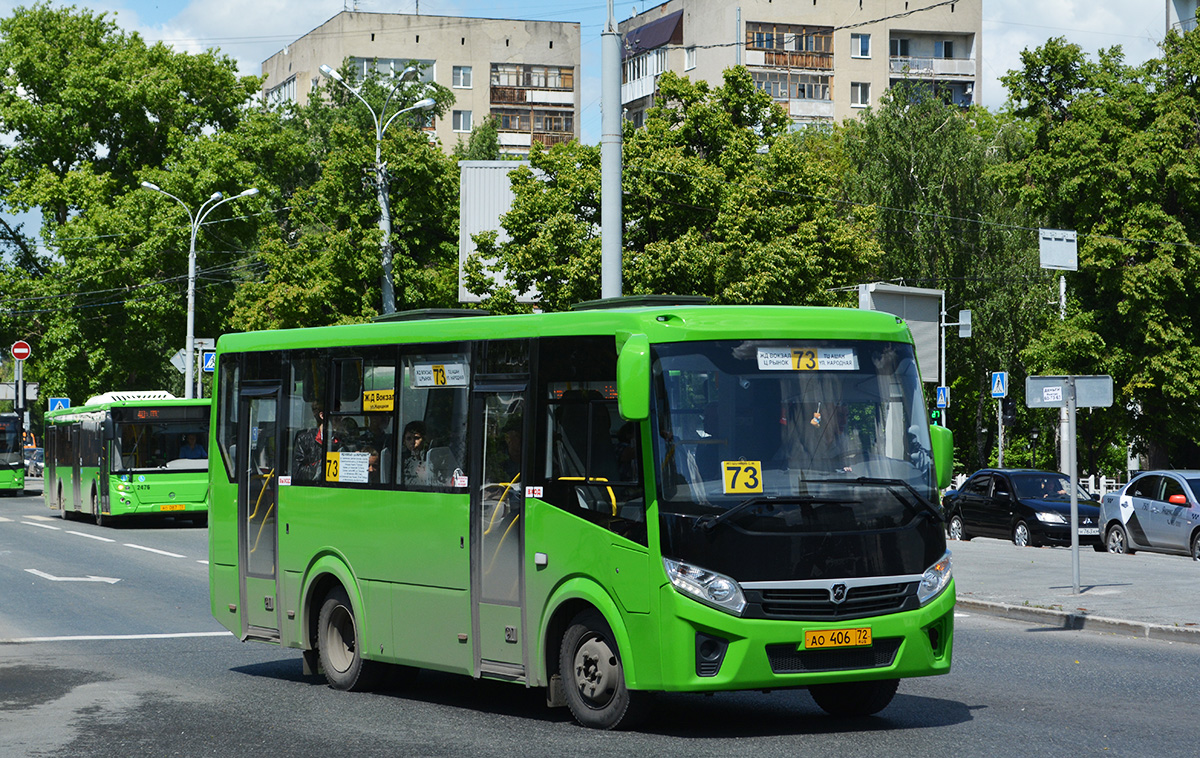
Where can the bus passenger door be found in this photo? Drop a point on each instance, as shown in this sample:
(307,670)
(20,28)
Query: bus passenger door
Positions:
(497,529)
(258,498)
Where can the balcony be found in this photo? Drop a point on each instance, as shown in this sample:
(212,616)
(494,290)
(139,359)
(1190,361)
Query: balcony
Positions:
(933,67)
(786,59)
(637,89)
(524,95)
(1184,26)
(811,110)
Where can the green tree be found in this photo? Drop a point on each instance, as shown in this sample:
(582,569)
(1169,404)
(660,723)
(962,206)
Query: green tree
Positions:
(717,202)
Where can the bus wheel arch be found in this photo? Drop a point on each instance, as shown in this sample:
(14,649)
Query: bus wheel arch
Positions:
(594,681)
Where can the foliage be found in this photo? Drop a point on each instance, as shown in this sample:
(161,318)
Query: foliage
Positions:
(716,202)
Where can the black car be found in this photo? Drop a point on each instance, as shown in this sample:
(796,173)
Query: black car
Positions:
(1029,507)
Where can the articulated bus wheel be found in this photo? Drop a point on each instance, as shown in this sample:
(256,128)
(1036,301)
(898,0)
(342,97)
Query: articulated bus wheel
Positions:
(96,514)
(593,678)
(851,699)
(62,507)
(341,647)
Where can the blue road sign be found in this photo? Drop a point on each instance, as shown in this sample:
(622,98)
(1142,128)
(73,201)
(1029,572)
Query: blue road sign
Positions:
(58,403)
(943,397)
(999,384)
(209,362)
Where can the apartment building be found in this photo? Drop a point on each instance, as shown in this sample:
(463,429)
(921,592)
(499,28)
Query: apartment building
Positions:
(525,73)
(1181,15)
(823,60)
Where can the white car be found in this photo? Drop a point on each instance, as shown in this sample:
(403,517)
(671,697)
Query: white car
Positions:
(1157,510)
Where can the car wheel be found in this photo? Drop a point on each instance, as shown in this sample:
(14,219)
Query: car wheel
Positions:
(957,529)
(1021,536)
(341,647)
(1117,541)
(849,699)
(594,679)
(1196,546)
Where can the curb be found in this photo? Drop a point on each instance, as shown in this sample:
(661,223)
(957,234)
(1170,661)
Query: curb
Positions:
(1065,620)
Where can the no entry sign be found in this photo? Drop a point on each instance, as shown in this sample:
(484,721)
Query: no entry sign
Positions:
(21,350)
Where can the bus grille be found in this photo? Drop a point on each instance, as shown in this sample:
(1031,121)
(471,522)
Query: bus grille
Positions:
(815,604)
(786,659)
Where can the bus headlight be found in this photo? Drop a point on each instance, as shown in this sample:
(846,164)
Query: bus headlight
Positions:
(708,587)
(935,579)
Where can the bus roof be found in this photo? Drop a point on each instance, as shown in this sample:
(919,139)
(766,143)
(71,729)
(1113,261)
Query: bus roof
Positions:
(127,402)
(660,324)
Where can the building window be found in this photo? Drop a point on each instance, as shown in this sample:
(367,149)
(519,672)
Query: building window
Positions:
(651,63)
(462,77)
(860,46)
(860,94)
(812,86)
(386,67)
(689,59)
(943,49)
(542,77)
(782,86)
(899,48)
(792,37)
(284,93)
(462,121)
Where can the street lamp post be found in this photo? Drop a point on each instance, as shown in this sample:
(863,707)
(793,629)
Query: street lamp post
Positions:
(1033,436)
(197,219)
(381,177)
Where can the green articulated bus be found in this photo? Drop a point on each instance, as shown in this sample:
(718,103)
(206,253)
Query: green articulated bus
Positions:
(624,499)
(12,453)
(128,454)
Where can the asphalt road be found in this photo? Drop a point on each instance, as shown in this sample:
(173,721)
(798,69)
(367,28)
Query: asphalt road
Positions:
(102,678)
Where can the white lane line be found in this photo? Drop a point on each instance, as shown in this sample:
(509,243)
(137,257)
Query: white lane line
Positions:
(89,578)
(154,550)
(43,526)
(204,562)
(91,536)
(5,519)
(94,637)
(39,517)
(958,615)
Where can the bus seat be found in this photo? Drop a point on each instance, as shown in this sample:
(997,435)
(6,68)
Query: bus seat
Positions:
(441,464)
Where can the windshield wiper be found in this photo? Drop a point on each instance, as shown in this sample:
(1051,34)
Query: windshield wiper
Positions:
(891,484)
(709,521)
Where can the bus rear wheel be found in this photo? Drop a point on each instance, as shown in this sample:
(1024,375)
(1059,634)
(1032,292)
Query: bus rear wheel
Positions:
(594,679)
(852,699)
(96,514)
(341,646)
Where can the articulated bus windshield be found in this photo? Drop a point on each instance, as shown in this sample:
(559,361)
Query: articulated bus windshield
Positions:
(787,421)
(10,440)
(160,438)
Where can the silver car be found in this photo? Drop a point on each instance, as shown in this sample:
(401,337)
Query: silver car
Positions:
(1157,510)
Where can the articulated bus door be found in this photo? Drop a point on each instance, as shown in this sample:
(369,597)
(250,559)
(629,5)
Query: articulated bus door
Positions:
(497,529)
(258,499)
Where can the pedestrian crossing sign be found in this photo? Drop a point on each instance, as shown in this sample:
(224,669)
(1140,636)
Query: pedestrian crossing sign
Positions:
(943,397)
(999,384)
(209,362)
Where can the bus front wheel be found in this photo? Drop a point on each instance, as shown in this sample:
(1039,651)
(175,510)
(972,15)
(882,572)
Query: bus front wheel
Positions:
(96,514)
(594,678)
(341,647)
(850,699)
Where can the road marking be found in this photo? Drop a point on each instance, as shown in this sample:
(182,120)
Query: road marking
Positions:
(53,578)
(44,526)
(94,637)
(5,519)
(204,562)
(91,536)
(41,518)
(154,550)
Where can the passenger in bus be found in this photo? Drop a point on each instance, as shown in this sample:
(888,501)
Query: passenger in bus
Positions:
(308,456)
(413,466)
(191,448)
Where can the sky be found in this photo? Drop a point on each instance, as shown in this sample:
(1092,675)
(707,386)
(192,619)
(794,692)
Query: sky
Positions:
(250,31)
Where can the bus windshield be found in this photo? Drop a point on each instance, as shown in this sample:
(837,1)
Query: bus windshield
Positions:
(160,438)
(11,451)
(788,421)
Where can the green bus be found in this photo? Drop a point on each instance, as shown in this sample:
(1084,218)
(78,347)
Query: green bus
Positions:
(606,503)
(12,453)
(128,454)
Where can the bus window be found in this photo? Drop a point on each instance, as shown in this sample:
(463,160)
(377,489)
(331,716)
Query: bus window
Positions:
(361,423)
(433,421)
(307,423)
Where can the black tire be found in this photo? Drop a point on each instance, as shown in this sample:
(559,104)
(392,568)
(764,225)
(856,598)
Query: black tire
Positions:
(1021,536)
(1117,541)
(340,646)
(854,699)
(62,507)
(1196,546)
(594,679)
(101,519)
(956,528)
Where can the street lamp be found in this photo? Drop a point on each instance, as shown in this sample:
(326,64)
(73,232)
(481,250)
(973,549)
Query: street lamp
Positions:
(197,219)
(381,178)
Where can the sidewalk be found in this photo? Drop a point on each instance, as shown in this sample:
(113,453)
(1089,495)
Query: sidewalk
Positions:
(1147,595)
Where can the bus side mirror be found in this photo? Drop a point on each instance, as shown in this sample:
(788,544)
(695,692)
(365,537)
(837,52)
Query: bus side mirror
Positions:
(943,454)
(106,429)
(633,378)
